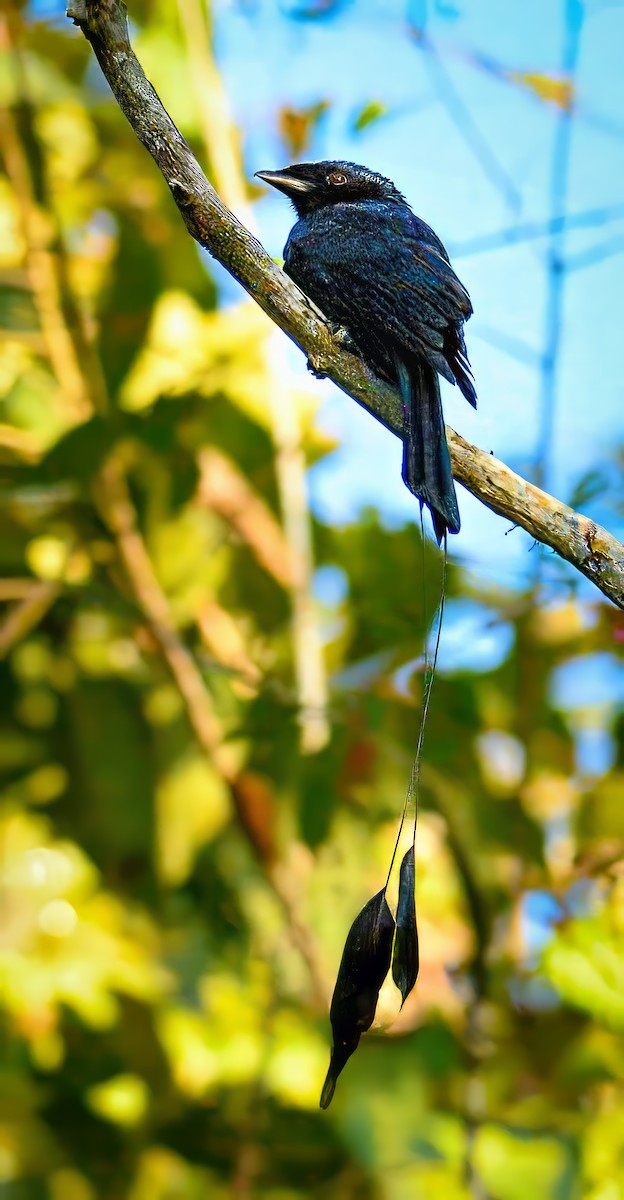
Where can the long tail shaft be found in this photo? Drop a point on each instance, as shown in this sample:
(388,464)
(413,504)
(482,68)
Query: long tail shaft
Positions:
(426,459)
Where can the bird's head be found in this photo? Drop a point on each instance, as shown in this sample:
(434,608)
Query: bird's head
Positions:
(313,185)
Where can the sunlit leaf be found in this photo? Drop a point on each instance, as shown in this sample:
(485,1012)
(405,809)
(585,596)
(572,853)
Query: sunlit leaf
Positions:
(192,805)
(122,1100)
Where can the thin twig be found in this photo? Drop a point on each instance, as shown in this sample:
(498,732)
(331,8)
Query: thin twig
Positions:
(224,639)
(592,550)
(15,589)
(27,614)
(528,231)
(225,489)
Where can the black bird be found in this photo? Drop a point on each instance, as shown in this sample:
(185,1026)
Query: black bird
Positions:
(373,267)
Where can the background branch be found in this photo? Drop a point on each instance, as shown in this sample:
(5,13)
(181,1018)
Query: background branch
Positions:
(28,613)
(595,552)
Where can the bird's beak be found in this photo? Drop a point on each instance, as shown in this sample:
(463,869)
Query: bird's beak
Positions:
(286,182)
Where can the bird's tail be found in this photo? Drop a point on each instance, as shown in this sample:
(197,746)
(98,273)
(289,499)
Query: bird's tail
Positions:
(426,459)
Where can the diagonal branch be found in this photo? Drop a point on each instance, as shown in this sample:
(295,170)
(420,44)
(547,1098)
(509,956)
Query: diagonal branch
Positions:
(227,491)
(592,550)
(31,609)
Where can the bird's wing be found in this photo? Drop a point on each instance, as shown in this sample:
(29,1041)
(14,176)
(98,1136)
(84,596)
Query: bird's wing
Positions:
(385,276)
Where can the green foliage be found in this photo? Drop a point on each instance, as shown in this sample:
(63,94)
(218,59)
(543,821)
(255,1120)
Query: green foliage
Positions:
(165,935)
(372,111)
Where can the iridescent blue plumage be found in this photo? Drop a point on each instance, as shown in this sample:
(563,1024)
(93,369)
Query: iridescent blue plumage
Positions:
(372,266)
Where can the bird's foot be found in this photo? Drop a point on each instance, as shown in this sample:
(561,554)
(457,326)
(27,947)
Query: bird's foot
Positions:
(342,336)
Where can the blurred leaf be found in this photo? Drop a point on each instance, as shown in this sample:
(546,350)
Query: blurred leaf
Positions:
(560,92)
(17,312)
(78,454)
(297,126)
(318,793)
(602,814)
(192,807)
(122,1100)
(513,1165)
(135,287)
(585,962)
(110,810)
(371,112)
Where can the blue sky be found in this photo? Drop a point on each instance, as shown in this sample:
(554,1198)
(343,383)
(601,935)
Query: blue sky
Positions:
(465,191)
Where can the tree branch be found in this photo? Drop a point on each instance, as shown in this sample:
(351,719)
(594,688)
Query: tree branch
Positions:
(592,550)
(28,613)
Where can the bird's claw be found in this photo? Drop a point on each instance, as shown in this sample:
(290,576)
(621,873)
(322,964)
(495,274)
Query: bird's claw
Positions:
(342,336)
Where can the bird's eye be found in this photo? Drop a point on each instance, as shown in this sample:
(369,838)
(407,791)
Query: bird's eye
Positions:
(337,178)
